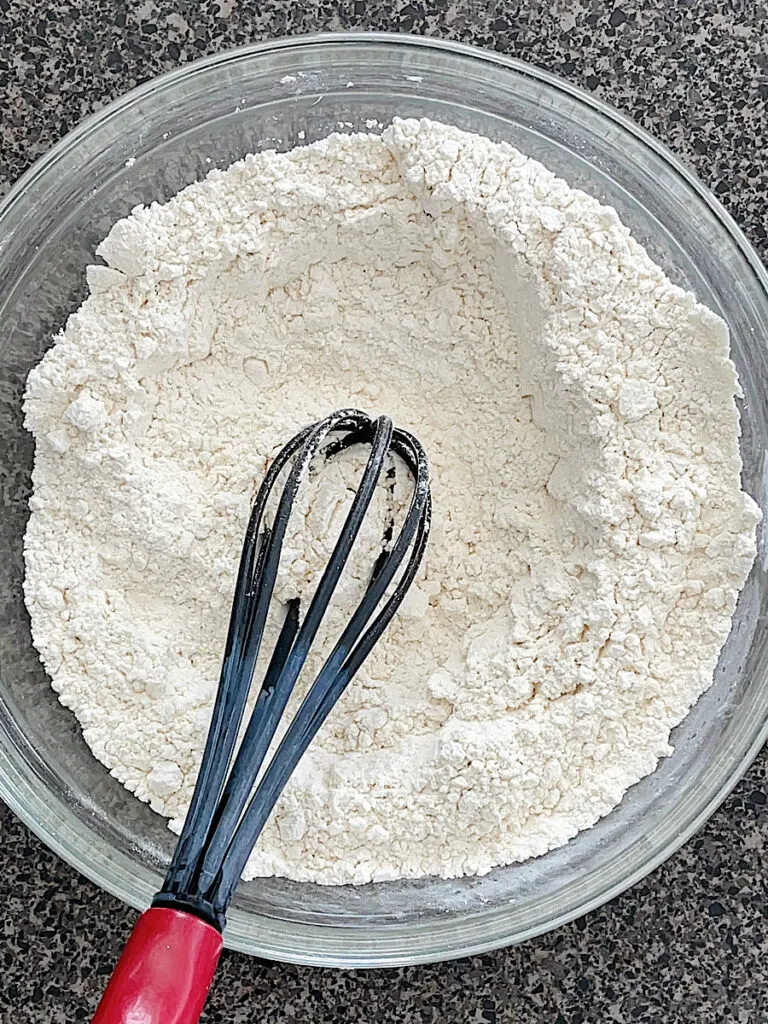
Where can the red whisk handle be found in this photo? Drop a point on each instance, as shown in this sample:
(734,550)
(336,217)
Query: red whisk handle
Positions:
(164,973)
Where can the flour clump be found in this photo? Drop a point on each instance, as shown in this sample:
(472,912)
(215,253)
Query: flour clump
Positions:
(590,532)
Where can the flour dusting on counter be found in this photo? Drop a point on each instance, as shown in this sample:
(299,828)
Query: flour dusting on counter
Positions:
(590,533)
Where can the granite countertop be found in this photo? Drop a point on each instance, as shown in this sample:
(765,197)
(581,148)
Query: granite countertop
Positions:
(689,942)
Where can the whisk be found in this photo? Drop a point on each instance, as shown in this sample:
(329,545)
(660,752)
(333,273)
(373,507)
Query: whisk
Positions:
(167,966)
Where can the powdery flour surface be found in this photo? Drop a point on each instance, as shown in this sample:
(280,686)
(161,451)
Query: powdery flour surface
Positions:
(590,532)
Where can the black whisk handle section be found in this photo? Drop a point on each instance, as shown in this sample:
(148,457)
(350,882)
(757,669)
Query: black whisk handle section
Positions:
(228,810)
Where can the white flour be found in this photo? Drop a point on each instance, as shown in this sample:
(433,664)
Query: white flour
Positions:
(590,532)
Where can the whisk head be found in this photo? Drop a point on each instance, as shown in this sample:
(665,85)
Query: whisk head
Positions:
(227,814)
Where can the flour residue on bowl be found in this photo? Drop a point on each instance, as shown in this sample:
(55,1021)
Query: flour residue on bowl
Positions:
(590,534)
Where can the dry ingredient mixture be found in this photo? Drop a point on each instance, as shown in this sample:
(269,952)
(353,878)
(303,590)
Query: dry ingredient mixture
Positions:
(590,532)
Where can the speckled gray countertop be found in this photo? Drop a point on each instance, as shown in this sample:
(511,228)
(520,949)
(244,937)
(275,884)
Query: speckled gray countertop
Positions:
(690,942)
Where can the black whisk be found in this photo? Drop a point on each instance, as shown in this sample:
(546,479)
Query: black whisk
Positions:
(167,966)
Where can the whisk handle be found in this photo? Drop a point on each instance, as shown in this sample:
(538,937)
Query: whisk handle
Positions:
(164,972)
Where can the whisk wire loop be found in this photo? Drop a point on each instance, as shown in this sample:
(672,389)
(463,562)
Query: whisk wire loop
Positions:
(276,691)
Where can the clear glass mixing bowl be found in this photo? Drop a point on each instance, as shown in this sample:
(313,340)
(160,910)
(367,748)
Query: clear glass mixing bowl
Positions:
(147,146)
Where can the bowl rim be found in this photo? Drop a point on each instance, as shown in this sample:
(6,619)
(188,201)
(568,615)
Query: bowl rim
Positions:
(13,786)
(404,40)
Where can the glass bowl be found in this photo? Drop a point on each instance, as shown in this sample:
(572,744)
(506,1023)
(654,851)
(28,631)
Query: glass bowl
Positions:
(172,131)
